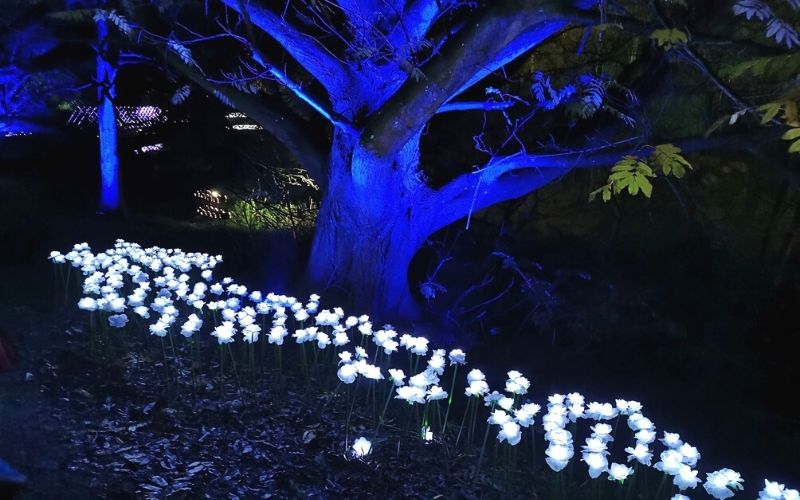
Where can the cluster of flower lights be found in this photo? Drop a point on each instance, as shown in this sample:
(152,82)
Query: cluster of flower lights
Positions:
(162,285)
(211,204)
(18,133)
(131,117)
(150,148)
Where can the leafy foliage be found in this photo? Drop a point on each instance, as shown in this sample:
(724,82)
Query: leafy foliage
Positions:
(122,24)
(181,95)
(777,28)
(583,97)
(784,108)
(592,94)
(73,16)
(782,66)
(223,98)
(182,51)
(782,32)
(633,173)
(752,9)
(793,134)
(630,173)
(548,97)
(669,38)
(668,159)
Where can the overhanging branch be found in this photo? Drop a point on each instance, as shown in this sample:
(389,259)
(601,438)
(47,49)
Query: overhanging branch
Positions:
(509,177)
(281,75)
(307,51)
(500,33)
(275,118)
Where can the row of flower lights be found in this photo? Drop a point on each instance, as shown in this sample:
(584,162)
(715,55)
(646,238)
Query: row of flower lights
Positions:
(212,204)
(236,116)
(246,126)
(161,283)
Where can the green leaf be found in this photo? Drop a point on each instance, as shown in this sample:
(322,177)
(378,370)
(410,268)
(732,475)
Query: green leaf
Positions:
(604,191)
(645,185)
(782,66)
(668,159)
(668,38)
(633,188)
(643,169)
(795,147)
(626,164)
(790,115)
(630,174)
(771,110)
(792,133)
(73,16)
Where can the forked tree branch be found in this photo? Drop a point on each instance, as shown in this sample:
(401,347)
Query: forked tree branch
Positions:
(415,21)
(500,33)
(306,50)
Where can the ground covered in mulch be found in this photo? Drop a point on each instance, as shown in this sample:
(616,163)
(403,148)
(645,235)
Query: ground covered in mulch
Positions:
(116,426)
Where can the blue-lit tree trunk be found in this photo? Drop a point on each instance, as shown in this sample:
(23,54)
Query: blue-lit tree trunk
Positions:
(377,209)
(371,224)
(378,212)
(106,74)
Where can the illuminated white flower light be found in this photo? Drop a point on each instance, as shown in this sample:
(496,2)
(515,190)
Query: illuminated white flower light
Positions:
(686,478)
(347,373)
(641,453)
(619,472)
(118,320)
(510,432)
(411,394)
(723,483)
(362,447)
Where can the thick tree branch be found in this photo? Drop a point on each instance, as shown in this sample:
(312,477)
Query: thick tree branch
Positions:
(475,106)
(278,73)
(417,18)
(275,118)
(509,177)
(362,13)
(503,31)
(307,51)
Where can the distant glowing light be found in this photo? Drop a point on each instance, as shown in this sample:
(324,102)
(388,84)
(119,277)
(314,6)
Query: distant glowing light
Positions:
(150,148)
(17,133)
(246,126)
(134,117)
(211,196)
(212,204)
(234,115)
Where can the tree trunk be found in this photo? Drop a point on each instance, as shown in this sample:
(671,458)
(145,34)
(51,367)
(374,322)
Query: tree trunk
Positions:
(107,122)
(370,226)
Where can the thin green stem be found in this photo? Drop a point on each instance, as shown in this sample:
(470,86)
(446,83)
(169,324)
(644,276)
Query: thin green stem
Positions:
(450,399)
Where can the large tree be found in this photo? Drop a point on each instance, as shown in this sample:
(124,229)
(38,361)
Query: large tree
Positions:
(380,72)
